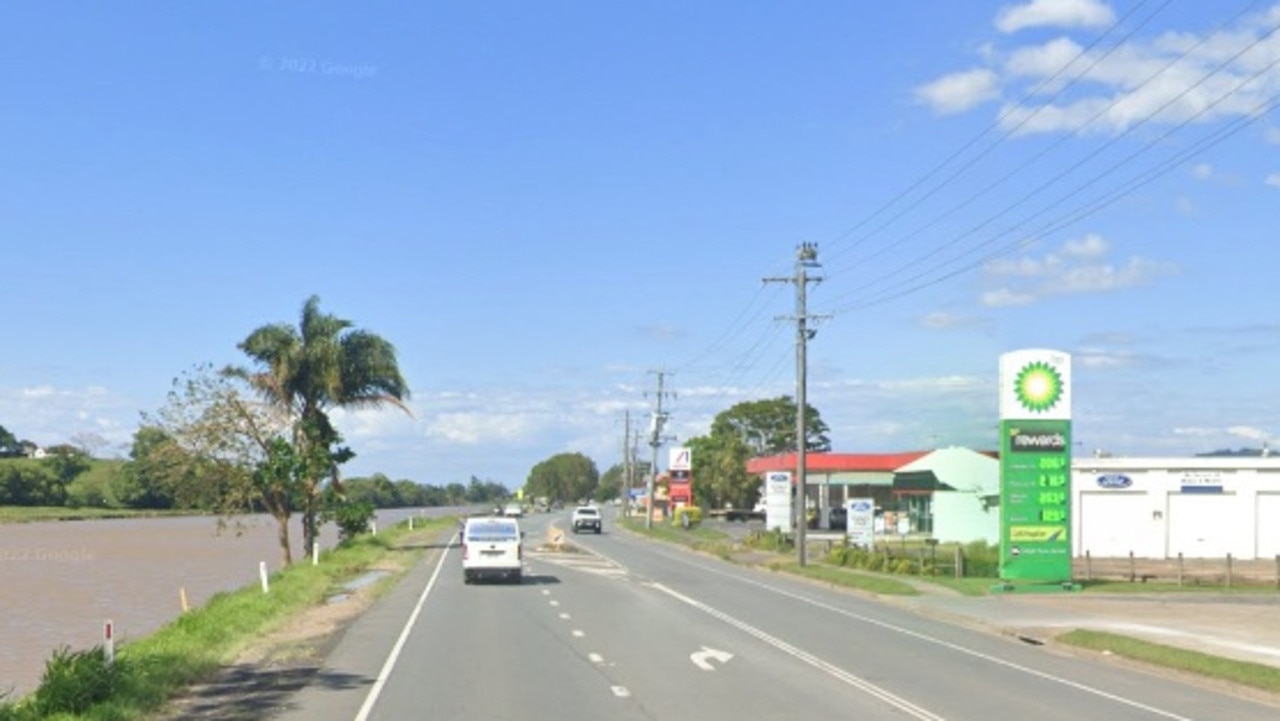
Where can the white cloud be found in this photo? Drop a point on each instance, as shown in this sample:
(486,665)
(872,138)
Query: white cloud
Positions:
(1090,246)
(491,428)
(1164,80)
(1043,61)
(47,415)
(1055,13)
(1005,298)
(1253,434)
(1079,266)
(961,91)
(1203,171)
(1273,180)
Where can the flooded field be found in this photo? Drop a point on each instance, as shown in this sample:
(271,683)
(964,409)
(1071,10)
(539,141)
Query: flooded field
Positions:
(59,581)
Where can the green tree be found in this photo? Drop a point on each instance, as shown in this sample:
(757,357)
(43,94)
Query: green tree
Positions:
(305,372)
(768,427)
(219,449)
(720,471)
(611,483)
(9,444)
(564,477)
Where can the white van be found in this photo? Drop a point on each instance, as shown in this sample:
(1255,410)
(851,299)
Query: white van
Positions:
(492,548)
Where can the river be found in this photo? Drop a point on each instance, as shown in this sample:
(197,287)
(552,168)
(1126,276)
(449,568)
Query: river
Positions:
(61,580)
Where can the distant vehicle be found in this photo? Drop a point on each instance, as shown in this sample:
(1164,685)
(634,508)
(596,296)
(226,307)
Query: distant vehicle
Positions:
(513,510)
(838,518)
(587,518)
(492,548)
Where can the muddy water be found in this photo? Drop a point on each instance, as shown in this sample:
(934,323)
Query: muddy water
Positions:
(60,581)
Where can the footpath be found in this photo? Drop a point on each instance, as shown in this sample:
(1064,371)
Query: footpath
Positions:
(1242,626)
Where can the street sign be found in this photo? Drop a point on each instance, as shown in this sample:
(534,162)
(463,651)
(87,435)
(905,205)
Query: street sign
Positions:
(777,501)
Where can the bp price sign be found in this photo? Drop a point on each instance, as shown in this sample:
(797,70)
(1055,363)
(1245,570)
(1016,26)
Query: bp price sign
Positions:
(1035,466)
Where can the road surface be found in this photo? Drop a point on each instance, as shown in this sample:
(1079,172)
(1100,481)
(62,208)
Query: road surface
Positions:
(631,629)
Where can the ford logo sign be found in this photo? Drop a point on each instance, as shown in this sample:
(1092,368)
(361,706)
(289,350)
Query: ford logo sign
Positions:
(860,506)
(1115,480)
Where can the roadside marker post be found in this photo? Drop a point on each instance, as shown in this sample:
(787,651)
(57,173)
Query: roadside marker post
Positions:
(182,595)
(315,553)
(109,641)
(262,571)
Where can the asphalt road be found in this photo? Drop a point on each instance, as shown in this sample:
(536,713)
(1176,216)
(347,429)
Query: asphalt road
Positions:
(631,629)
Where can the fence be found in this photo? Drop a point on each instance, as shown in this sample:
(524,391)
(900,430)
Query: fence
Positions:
(1225,571)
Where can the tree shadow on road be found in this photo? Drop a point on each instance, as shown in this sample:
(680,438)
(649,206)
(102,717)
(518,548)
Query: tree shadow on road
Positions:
(251,692)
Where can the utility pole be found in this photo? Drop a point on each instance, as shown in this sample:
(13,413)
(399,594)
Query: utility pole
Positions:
(658,419)
(806,258)
(626,465)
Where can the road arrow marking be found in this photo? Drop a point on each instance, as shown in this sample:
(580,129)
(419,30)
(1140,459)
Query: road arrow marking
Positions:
(702,659)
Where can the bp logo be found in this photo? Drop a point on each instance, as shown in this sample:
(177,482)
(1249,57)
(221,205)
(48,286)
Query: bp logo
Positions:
(1038,387)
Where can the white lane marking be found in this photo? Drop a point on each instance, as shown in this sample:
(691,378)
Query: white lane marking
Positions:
(595,658)
(376,690)
(937,641)
(702,659)
(620,691)
(555,603)
(564,616)
(545,592)
(826,667)
(578,634)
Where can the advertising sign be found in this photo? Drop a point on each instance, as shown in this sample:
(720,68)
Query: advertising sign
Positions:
(861,522)
(777,501)
(680,459)
(1035,466)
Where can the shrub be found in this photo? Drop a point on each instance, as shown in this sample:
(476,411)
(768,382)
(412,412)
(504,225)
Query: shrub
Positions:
(687,516)
(353,518)
(774,540)
(75,680)
(981,560)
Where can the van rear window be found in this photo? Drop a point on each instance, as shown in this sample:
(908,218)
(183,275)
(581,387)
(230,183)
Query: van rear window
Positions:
(485,532)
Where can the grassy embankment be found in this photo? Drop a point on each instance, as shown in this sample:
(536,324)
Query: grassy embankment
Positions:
(149,671)
(720,544)
(1253,675)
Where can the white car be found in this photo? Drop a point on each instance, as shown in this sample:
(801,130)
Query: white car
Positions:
(513,510)
(587,518)
(492,548)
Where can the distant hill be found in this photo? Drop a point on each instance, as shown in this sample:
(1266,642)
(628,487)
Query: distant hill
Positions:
(1238,453)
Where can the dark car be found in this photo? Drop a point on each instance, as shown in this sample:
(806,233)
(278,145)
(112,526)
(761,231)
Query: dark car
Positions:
(838,518)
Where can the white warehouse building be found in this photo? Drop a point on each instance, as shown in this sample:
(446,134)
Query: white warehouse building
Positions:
(1202,507)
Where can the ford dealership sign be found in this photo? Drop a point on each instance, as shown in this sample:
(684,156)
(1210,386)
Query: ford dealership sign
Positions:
(1115,480)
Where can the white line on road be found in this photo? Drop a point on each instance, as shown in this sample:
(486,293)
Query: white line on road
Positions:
(826,667)
(945,644)
(545,592)
(564,616)
(555,603)
(595,658)
(578,634)
(620,691)
(367,707)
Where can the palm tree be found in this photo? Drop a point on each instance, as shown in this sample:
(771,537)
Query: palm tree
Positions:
(307,371)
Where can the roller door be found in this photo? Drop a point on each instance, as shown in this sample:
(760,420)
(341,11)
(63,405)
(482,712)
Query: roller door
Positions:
(1112,524)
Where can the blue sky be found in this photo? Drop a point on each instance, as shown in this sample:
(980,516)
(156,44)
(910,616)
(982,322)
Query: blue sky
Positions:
(539,203)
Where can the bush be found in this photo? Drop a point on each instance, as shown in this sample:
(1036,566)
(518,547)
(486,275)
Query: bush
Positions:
(353,519)
(687,516)
(75,680)
(981,560)
(774,540)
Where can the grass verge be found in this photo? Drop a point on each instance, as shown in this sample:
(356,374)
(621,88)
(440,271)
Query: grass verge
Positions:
(698,538)
(870,582)
(1254,675)
(33,514)
(191,648)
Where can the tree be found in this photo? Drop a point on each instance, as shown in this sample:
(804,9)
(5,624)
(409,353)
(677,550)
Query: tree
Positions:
(564,477)
(218,448)
(611,483)
(720,471)
(9,445)
(307,371)
(768,427)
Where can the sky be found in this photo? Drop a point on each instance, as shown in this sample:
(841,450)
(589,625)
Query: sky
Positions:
(542,204)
